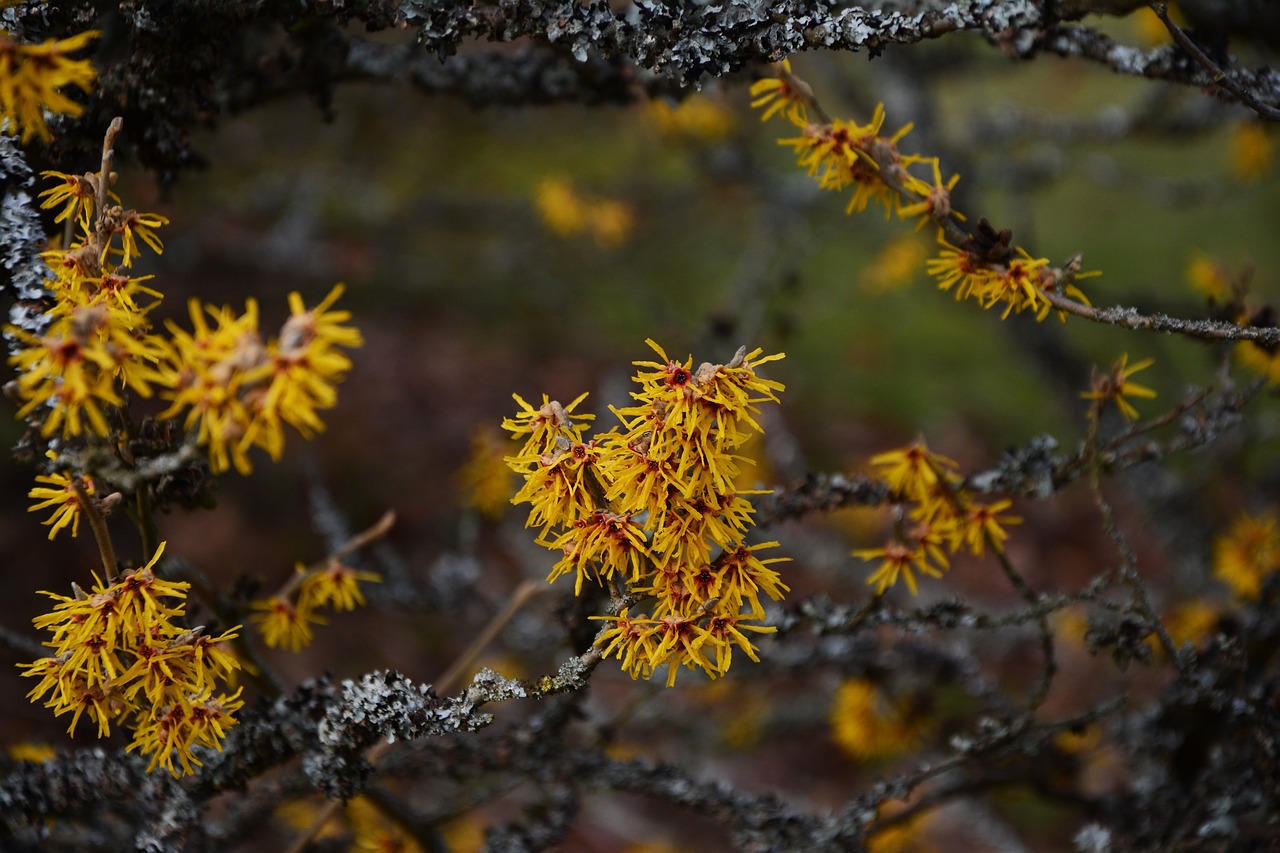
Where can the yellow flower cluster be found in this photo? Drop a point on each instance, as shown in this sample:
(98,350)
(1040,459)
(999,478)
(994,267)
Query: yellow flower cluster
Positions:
(944,518)
(362,826)
(285,619)
(1247,553)
(30,77)
(97,343)
(238,392)
(841,154)
(235,391)
(118,655)
(567,212)
(651,508)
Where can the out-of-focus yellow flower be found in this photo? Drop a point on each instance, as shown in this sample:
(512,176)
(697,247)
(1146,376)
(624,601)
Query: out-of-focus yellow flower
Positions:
(1251,151)
(907,836)
(866,724)
(894,267)
(336,586)
(1248,552)
(464,834)
(610,222)
(1151,31)
(375,832)
(1191,622)
(699,117)
(567,212)
(1210,277)
(283,623)
(30,77)
(1264,361)
(30,751)
(562,209)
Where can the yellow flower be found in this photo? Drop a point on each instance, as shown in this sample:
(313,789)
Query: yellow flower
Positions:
(1248,552)
(598,545)
(1251,151)
(981,524)
(935,198)
(30,77)
(374,832)
(60,494)
(1210,277)
(1116,387)
(610,221)
(893,267)
(698,116)
(899,559)
(337,586)
(134,226)
(743,576)
(652,507)
(485,480)
(282,623)
(562,209)
(914,470)
(1262,360)
(30,751)
(632,640)
(1151,31)
(956,268)
(1189,622)
(865,724)
(76,193)
(784,94)
(78,367)
(117,653)
(906,836)
(543,426)
(301,370)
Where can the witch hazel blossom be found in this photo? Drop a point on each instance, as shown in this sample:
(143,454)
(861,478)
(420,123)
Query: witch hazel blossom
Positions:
(652,510)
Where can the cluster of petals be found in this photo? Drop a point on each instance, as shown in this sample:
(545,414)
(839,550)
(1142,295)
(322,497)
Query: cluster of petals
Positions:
(652,508)
(285,618)
(237,391)
(119,654)
(841,154)
(96,346)
(941,518)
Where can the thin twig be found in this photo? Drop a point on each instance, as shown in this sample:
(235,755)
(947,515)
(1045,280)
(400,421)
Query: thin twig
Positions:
(522,595)
(370,534)
(1041,690)
(99,526)
(1221,79)
(1128,559)
(104,174)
